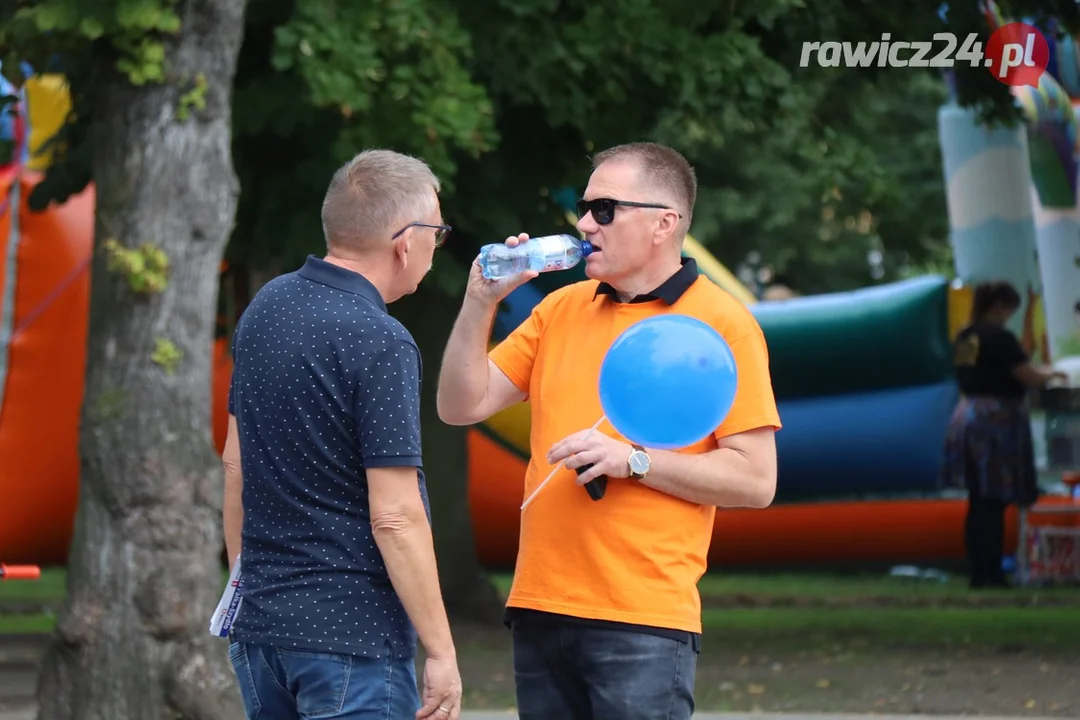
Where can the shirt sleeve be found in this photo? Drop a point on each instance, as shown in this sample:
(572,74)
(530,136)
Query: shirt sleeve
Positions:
(516,354)
(755,403)
(387,408)
(232,378)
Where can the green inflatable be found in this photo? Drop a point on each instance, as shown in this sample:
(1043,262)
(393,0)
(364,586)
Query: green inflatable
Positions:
(876,338)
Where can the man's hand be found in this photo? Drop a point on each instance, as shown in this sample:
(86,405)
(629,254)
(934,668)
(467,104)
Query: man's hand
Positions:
(442,690)
(490,292)
(608,456)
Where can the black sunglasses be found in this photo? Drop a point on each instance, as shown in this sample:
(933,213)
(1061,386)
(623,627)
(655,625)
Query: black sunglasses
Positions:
(603,209)
(441,231)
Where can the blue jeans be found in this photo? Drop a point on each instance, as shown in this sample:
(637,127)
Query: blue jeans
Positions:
(579,672)
(284,684)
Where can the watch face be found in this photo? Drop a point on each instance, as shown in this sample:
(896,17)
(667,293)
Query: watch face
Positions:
(639,462)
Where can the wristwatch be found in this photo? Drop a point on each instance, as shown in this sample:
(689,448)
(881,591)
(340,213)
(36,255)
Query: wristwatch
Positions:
(639,462)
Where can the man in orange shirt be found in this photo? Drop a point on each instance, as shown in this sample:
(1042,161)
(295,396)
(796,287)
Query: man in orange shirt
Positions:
(604,608)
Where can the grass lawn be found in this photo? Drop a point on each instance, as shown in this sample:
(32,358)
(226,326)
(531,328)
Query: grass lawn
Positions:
(49,588)
(796,628)
(787,610)
(716,587)
(819,590)
(25,624)
(809,643)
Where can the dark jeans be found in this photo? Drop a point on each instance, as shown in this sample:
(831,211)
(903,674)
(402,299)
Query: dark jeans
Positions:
(284,684)
(568,671)
(984,535)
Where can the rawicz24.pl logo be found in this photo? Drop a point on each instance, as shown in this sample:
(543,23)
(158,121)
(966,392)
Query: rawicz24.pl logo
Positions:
(1016,53)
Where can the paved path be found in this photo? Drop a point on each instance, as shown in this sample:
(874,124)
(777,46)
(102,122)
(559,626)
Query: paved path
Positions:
(765,716)
(18,672)
(30,715)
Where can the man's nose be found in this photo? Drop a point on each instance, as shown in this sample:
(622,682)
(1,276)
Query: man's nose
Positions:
(586,224)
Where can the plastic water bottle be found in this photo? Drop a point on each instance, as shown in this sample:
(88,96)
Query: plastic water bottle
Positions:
(542,254)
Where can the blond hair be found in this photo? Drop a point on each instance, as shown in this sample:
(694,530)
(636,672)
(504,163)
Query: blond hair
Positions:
(663,169)
(374,195)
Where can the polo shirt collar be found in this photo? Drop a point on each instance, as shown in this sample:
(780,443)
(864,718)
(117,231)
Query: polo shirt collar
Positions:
(318,270)
(669,291)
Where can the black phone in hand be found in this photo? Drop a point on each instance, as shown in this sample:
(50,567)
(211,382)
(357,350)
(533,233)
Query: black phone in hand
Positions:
(595,487)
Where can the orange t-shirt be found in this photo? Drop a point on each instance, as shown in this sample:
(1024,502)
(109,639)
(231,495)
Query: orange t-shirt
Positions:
(636,555)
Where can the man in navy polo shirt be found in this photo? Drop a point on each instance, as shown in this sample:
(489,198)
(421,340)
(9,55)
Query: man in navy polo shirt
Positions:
(324,490)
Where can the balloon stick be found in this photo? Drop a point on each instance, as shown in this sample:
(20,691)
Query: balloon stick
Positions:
(561,463)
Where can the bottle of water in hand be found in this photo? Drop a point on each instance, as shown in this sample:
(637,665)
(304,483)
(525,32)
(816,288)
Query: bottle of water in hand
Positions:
(542,254)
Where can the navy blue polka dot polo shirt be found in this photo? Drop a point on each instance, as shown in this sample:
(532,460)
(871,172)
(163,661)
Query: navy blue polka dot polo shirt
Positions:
(325,384)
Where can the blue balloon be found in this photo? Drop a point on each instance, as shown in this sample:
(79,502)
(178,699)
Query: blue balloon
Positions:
(668,382)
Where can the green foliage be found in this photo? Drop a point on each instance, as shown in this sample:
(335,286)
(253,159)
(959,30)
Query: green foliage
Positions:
(1069,345)
(938,260)
(77,38)
(832,176)
(816,170)
(167,355)
(38,28)
(392,67)
(320,80)
(146,268)
(193,99)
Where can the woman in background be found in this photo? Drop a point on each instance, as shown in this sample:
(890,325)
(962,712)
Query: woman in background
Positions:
(989,444)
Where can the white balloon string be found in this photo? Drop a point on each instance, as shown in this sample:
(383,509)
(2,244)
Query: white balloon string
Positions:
(561,463)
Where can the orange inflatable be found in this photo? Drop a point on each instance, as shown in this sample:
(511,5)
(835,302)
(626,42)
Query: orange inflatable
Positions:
(41,392)
(39,422)
(47,282)
(222,369)
(823,533)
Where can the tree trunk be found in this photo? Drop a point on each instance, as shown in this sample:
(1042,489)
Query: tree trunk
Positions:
(144,575)
(468,592)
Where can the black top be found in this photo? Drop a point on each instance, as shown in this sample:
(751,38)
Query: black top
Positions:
(325,384)
(985,355)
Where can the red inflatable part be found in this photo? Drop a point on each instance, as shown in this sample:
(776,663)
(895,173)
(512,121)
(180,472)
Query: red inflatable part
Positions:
(39,413)
(39,425)
(19,572)
(817,533)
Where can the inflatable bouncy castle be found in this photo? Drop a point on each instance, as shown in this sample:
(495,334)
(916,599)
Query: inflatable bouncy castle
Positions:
(1013,196)
(865,388)
(863,380)
(44,287)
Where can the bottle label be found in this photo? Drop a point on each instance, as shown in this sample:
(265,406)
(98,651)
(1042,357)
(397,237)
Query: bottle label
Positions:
(553,248)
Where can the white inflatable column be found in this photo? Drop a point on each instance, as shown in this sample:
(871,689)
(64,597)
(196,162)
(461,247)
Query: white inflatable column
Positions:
(988,182)
(1058,235)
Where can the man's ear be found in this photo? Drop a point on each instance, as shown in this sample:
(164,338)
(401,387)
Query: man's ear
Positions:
(401,249)
(666,225)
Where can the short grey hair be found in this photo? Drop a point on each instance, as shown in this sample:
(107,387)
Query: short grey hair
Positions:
(374,195)
(662,168)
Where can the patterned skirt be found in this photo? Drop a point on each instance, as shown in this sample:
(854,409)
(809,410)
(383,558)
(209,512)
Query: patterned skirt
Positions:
(989,451)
